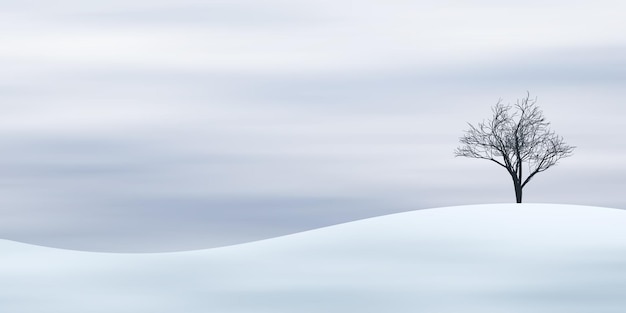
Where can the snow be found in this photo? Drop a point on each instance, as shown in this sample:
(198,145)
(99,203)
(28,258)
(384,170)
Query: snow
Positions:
(481,258)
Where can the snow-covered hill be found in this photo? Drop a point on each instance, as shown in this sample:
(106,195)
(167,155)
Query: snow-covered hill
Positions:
(483,258)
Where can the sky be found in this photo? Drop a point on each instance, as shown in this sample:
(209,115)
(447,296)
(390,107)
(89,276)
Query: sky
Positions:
(145,126)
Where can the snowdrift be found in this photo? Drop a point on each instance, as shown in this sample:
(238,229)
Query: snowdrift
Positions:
(482,258)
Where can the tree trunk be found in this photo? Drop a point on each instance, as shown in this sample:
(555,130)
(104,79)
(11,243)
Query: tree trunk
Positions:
(518,192)
(517,184)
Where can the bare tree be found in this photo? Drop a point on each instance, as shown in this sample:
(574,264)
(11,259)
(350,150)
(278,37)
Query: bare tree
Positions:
(518,138)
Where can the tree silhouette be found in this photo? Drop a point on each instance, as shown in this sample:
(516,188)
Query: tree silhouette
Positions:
(518,138)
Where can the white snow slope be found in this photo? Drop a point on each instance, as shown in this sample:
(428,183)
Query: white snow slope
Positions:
(482,258)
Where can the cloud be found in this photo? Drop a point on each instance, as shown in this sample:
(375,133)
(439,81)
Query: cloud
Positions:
(127,118)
